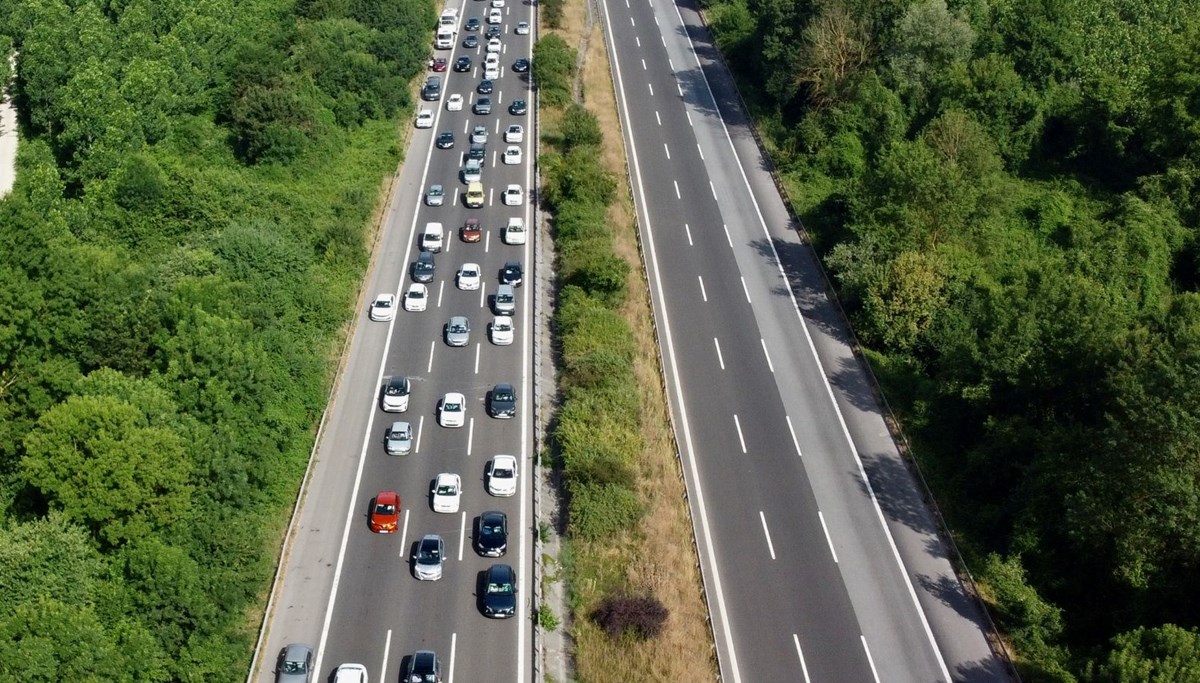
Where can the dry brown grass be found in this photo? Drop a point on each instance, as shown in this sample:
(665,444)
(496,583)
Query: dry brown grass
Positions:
(684,651)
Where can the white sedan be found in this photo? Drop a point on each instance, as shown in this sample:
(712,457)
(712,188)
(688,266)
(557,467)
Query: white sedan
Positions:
(493,45)
(513,195)
(383,308)
(512,155)
(425,118)
(416,298)
(454,102)
(453,410)
(447,492)
(514,133)
(497,3)
(469,276)
(522,28)
(501,475)
(502,330)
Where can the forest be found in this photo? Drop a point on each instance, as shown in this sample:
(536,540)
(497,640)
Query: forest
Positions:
(179,261)
(1006,196)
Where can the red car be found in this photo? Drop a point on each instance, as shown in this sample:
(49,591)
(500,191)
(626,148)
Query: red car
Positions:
(385,512)
(471,232)
(439,64)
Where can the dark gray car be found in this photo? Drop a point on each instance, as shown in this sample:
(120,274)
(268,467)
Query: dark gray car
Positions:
(295,664)
(423,268)
(505,301)
(502,402)
(499,591)
(458,331)
(423,667)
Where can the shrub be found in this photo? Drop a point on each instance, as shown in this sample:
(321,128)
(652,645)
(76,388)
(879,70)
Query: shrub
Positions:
(552,12)
(580,127)
(639,616)
(553,69)
(602,511)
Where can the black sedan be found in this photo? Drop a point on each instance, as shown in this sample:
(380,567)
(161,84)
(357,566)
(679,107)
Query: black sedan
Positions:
(513,274)
(521,65)
(492,539)
(502,402)
(462,64)
(499,591)
(471,41)
(518,108)
(445,139)
(485,87)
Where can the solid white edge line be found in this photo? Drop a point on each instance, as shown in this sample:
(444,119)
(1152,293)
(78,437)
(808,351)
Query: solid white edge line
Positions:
(720,614)
(462,535)
(795,441)
(387,648)
(477,345)
(912,593)
(745,289)
(738,424)
(870,659)
(470,435)
(800,654)
(429,366)
(720,358)
(828,538)
(728,237)
(762,517)
(770,365)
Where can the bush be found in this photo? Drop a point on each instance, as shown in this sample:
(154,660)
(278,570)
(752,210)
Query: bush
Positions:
(580,127)
(602,511)
(640,616)
(552,12)
(554,69)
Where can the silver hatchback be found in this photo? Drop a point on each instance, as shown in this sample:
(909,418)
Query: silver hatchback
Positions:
(458,331)
(399,439)
(428,560)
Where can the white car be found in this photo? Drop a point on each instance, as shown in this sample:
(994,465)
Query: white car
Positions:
(491,71)
(383,308)
(495,16)
(425,118)
(447,492)
(493,45)
(469,276)
(514,133)
(501,475)
(452,412)
(454,102)
(479,135)
(502,330)
(433,237)
(497,3)
(350,673)
(512,155)
(522,27)
(513,196)
(514,232)
(416,298)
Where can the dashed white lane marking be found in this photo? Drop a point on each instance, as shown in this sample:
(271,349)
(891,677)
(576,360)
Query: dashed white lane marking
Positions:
(800,654)
(738,424)
(828,538)
(766,532)
(745,289)
(768,355)
(689,234)
(720,358)
(795,442)
(703,294)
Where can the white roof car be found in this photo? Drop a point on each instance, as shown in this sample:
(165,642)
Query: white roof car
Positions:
(453,410)
(472,171)
(497,3)
(479,134)
(502,475)
(502,330)
(350,673)
(425,118)
(522,28)
(513,196)
(399,439)
(514,133)
(383,308)
(514,232)
(436,195)
(492,70)
(416,298)
(431,239)
(494,16)
(493,45)
(491,58)
(395,394)
(469,276)
(447,492)
(454,102)
(512,155)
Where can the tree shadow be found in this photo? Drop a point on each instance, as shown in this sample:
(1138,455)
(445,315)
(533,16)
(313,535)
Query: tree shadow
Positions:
(899,499)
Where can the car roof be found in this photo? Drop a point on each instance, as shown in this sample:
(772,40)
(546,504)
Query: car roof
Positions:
(506,289)
(504,386)
(506,459)
(385,497)
(492,515)
(454,396)
(400,427)
(502,572)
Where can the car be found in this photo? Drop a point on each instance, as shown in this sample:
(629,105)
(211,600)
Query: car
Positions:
(423,667)
(425,118)
(520,66)
(495,16)
(439,64)
(447,492)
(514,232)
(463,63)
(512,155)
(385,512)
(514,133)
(493,32)
(454,102)
(469,277)
(493,45)
(499,591)
(522,28)
(445,139)
(485,87)
(435,195)
(497,3)
(423,268)
(482,106)
(518,108)
(478,152)
(472,24)
(491,71)
(429,557)
(501,474)
(471,41)
(492,539)
(416,298)
(432,90)
(479,134)
(471,231)
(512,273)
(501,329)
(458,331)
(433,237)
(474,197)
(399,439)
(513,195)
(395,394)
(350,673)
(505,301)
(472,171)
(502,401)
(452,410)
(295,664)
(383,308)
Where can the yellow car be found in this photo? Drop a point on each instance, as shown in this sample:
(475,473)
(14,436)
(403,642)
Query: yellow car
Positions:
(474,198)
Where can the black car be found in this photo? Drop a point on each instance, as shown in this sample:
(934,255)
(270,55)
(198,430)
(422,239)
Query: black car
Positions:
(485,87)
(502,402)
(494,32)
(472,24)
(423,667)
(518,108)
(492,539)
(513,274)
(478,152)
(462,64)
(471,41)
(482,106)
(432,90)
(445,139)
(521,65)
(423,267)
(499,591)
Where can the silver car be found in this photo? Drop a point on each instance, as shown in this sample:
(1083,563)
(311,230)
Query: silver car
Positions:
(435,196)
(427,561)
(295,664)
(505,302)
(399,439)
(458,331)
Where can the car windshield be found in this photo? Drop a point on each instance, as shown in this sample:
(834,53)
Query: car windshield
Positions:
(453,407)
(397,388)
(502,473)
(503,326)
(504,298)
(490,529)
(435,191)
(429,551)
(447,490)
(458,328)
(383,303)
(504,396)
(500,589)
(385,509)
(416,294)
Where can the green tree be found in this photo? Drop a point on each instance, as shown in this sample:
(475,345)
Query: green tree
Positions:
(1165,654)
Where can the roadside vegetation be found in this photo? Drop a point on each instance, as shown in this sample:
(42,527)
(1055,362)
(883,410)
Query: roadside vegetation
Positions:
(634,588)
(179,262)
(1007,196)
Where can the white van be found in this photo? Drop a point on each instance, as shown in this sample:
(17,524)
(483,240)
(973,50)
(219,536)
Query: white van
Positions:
(449,17)
(445,38)
(431,239)
(514,232)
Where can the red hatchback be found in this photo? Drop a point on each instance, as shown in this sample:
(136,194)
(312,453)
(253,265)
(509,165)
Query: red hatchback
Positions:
(471,232)
(385,512)
(439,64)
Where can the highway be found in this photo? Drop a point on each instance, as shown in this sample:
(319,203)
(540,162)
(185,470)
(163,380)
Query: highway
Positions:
(811,574)
(349,592)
